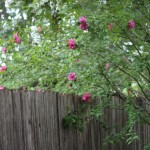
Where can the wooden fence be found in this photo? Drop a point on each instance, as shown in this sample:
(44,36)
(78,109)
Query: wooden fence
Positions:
(33,121)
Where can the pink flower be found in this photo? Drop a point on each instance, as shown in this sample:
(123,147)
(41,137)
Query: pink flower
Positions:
(83,26)
(131,24)
(86,97)
(110,26)
(1,88)
(15,35)
(82,20)
(72,44)
(4,50)
(83,23)
(72,76)
(107,65)
(17,39)
(3,68)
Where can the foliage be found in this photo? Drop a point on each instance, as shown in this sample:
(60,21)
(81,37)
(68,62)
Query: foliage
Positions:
(110,58)
(73,120)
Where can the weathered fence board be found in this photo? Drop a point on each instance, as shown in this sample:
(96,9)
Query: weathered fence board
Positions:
(33,121)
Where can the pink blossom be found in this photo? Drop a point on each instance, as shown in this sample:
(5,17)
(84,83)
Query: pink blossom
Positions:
(83,26)
(4,50)
(86,97)
(82,20)
(3,68)
(15,35)
(107,65)
(72,76)
(131,24)
(110,26)
(17,39)
(83,23)
(1,88)
(72,44)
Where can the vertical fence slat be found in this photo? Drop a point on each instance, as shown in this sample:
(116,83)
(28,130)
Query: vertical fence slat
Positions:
(48,116)
(9,118)
(66,136)
(3,135)
(17,120)
(27,120)
(38,109)
(52,123)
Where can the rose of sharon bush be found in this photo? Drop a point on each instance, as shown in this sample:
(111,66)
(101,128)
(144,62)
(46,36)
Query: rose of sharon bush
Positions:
(71,44)
(1,88)
(72,76)
(17,39)
(86,97)
(4,50)
(131,24)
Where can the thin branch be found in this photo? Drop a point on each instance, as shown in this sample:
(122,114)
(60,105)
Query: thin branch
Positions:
(112,85)
(135,80)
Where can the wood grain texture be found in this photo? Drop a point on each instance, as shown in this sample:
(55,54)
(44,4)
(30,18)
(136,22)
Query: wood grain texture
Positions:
(33,121)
